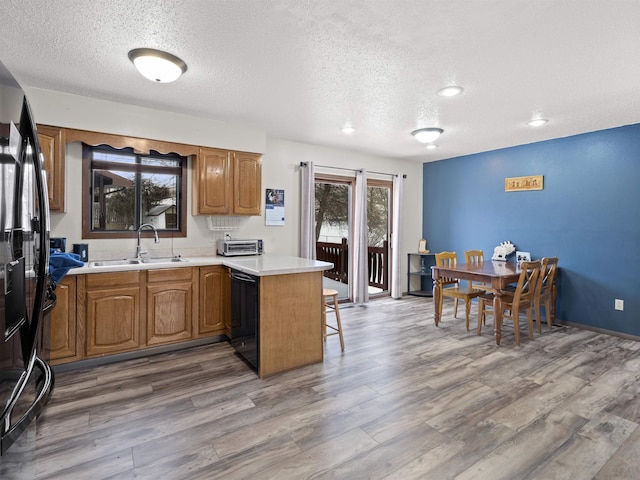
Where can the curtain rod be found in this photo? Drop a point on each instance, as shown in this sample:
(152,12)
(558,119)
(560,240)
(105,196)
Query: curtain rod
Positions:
(304,164)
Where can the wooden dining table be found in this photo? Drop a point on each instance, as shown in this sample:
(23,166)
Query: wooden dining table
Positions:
(495,273)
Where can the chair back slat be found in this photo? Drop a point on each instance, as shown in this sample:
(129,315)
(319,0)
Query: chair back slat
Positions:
(447,259)
(475,257)
(527,282)
(547,275)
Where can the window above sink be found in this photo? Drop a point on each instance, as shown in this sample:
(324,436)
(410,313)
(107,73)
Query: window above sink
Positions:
(124,189)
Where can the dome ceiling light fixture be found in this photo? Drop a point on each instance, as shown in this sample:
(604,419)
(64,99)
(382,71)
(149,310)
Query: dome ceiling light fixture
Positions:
(427,135)
(451,91)
(348,129)
(537,122)
(156,65)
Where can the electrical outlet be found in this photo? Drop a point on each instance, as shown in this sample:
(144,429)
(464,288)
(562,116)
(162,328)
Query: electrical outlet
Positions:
(619,304)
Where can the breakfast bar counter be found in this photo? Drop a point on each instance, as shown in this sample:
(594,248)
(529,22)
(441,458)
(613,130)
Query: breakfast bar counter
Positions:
(264,265)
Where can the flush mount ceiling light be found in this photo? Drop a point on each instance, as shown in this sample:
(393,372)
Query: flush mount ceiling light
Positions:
(451,91)
(348,129)
(427,135)
(536,122)
(156,65)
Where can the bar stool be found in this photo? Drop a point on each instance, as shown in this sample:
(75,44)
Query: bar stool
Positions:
(333,306)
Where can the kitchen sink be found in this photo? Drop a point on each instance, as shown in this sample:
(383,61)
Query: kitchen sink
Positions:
(114,263)
(135,261)
(164,260)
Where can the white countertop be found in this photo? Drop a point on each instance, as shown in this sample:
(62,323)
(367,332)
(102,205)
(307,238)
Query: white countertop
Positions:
(259,265)
(263,265)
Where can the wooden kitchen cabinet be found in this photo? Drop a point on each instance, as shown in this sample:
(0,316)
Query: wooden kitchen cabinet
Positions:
(213,318)
(170,305)
(227,183)
(53,146)
(247,183)
(65,344)
(113,310)
(102,314)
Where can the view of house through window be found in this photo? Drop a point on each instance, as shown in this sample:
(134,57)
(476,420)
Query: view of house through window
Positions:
(128,190)
(333,197)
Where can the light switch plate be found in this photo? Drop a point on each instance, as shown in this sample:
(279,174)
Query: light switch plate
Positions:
(619,304)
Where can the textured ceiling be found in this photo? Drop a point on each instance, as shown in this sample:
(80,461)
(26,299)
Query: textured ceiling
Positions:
(301,69)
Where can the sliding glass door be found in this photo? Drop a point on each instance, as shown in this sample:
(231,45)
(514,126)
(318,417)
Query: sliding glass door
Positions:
(333,230)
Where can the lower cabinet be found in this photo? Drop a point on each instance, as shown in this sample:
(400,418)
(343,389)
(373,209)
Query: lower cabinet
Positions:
(101,314)
(64,345)
(170,305)
(113,302)
(214,302)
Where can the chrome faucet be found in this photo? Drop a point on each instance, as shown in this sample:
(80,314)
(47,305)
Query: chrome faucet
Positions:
(139,251)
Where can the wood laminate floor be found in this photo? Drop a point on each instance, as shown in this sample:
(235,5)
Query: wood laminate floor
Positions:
(406,400)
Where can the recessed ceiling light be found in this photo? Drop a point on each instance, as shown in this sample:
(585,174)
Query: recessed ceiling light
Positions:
(432,146)
(536,122)
(156,65)
(427,135)
(451,91)
(348,129)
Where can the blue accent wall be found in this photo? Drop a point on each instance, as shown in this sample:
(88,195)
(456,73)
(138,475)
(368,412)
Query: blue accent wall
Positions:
(588,215)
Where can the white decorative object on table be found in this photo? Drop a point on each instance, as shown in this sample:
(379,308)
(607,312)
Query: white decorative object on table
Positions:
(502,251)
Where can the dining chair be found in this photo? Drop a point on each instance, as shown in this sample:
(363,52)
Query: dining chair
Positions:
(450,287)
(521,300)
(476,257)
(546,291)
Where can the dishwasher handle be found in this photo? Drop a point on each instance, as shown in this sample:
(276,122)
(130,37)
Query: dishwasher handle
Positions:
(243,277)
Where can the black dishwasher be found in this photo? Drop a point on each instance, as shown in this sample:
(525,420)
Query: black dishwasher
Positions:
(244,316)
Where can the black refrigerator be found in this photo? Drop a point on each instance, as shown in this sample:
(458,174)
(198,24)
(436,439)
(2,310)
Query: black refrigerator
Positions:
(26,295)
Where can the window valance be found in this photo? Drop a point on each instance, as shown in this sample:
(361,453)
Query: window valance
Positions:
(140,145)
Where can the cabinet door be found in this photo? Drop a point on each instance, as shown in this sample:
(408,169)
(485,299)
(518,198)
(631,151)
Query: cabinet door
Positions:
(52,144)
(169,306)
(64,341)
(247,183)
(214,300)
(113,320)
(112,313)
(213,182)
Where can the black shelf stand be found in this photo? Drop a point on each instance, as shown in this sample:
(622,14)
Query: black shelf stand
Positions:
(419,273)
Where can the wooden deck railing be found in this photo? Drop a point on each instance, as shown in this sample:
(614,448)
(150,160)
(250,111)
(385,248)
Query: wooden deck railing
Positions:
(338,254)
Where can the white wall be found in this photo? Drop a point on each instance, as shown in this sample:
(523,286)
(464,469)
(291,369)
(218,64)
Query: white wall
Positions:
(280,170)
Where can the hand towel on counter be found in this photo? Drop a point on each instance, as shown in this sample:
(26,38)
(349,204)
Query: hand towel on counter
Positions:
(61,263)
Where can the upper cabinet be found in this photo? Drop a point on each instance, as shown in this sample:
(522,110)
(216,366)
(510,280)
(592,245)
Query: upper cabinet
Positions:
(224,182)
(227,183)
(53,146)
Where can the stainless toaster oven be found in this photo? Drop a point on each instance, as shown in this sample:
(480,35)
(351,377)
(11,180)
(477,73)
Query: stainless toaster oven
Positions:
(230,248)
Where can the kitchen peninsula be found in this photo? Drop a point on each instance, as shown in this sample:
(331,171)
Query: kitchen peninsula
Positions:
(126,309)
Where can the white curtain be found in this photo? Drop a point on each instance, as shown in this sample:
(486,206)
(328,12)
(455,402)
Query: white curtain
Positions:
(360,262)
(307,212)
(396,238)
